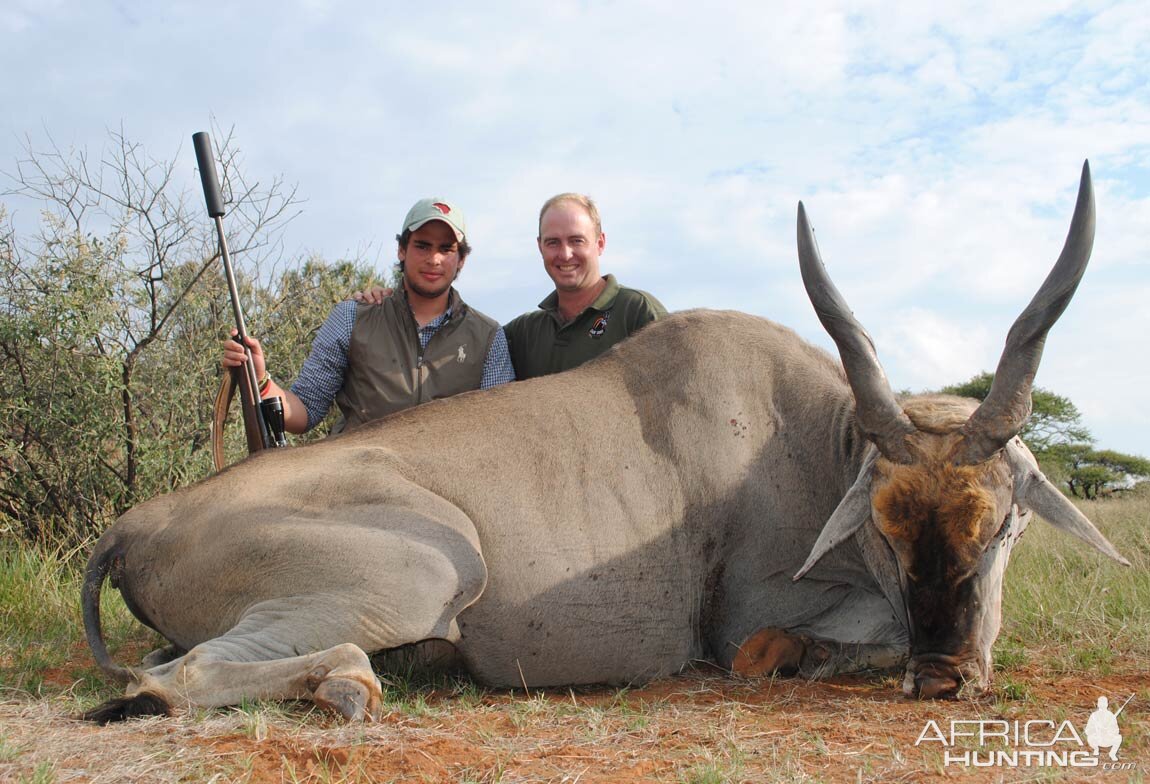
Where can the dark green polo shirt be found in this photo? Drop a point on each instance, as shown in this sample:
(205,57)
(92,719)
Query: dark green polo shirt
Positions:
(541,343)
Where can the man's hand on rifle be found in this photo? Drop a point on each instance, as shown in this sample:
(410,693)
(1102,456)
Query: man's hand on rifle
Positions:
(295,414)
(235,355)
(373,296)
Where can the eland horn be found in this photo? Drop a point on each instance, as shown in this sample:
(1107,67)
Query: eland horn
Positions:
(1007,406)
(879,414)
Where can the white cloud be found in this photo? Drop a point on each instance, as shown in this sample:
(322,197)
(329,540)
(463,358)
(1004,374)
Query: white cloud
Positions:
(922,350)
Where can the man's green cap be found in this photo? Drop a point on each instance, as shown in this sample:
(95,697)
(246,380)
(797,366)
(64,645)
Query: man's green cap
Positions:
(426,210)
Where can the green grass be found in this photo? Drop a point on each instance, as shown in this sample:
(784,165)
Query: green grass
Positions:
(1068,608)
(44,773)
(634,714)
(721,764)
(1010,690)
(708,773)
(40,623)
(411,690)
(8,751)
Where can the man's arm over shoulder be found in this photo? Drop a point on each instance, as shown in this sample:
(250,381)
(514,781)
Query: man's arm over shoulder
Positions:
(321,376)
(497,367)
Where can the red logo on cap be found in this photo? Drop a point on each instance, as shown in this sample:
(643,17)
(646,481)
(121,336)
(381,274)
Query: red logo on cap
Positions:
(442,208)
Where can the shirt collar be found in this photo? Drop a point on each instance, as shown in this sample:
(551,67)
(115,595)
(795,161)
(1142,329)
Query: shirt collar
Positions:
(453,303)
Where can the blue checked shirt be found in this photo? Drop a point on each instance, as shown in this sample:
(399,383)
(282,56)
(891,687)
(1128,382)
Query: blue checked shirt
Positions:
(321,376)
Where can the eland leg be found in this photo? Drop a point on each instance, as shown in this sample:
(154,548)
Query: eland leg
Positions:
(308,646)
(372,577)
(279,650)
(339,679)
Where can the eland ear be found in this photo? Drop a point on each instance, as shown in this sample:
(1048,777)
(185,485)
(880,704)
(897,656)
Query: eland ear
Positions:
(848,517)
(1034,491)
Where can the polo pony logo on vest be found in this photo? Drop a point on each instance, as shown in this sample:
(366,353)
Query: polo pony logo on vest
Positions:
(461,355)
(442,208)
(1032,743)
(600,326)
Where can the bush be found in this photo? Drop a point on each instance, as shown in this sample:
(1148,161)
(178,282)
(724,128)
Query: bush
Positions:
(110,320)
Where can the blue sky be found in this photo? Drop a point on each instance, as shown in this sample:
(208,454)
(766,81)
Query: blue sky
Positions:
(937,149)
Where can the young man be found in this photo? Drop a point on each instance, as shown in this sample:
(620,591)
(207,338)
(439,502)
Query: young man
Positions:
(587,313)
(421,344)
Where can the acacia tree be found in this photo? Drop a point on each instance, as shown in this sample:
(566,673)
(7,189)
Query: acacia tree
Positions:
(1054,419)
(1093,472)
(109,311)
(1063,445)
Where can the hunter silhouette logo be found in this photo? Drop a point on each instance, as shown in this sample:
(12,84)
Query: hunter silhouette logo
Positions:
(1034,743)
(1102,728)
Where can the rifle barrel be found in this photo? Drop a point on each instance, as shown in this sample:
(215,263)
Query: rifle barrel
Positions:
(212,196)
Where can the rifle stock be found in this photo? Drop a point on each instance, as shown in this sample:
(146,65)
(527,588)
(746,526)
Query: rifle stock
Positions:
(229,383)
(251,411)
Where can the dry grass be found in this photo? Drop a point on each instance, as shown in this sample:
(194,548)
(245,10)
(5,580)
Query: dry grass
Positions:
(694,728)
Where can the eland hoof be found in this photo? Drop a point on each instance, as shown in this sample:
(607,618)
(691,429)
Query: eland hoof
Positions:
(352,700)
(770,651)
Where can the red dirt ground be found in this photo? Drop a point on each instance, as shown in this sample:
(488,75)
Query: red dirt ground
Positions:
(698,727)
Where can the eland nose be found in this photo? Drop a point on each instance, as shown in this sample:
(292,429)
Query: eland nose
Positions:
(934,685)
(936,688)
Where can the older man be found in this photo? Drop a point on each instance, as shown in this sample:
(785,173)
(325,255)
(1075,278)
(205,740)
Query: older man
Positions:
(588,312)
(421,344)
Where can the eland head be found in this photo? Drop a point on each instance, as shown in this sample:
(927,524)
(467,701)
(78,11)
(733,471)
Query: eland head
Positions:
(947,483)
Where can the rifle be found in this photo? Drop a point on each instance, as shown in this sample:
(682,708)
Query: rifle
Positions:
(263,419)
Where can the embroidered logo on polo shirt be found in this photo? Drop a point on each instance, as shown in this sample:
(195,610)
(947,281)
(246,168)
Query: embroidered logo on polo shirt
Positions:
(462,355)
(600,325)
